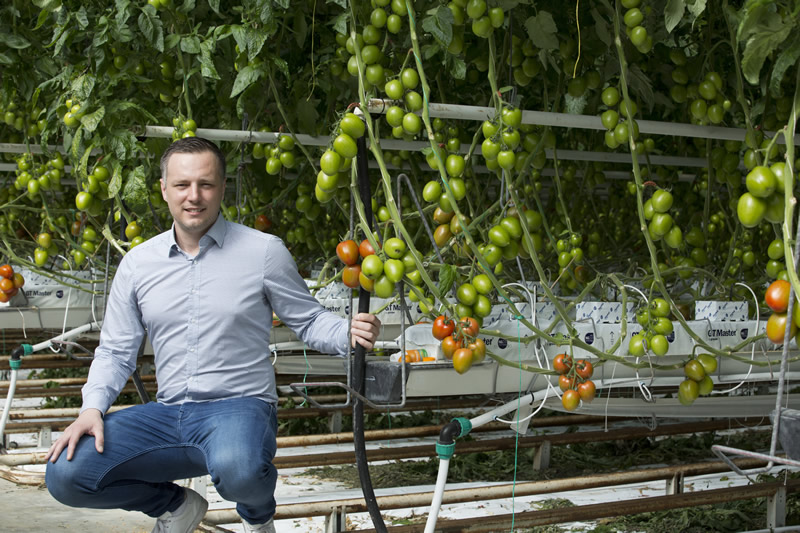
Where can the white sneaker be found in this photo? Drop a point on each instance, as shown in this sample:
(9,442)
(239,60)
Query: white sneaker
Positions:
(185,518)
(267,527)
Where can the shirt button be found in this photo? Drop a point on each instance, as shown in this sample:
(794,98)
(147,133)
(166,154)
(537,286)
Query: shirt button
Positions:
(191,349)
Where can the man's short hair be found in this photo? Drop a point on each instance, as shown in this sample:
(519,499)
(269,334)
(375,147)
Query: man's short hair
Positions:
(193,145)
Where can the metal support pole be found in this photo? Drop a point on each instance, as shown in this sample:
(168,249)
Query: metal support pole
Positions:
(776,509)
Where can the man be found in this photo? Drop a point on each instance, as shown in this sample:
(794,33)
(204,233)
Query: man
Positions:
(204,292)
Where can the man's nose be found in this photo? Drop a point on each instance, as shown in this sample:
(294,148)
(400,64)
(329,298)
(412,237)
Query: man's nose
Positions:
(194,192)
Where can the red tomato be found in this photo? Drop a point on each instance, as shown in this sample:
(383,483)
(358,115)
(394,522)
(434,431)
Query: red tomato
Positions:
(262,223)
(347,252)
(570,399)
(584,368)
(350,276)
(6,271)
(562,363)
(776,328)
(469,326)
(365,249)
(565,382)
(7,285)
(777,295)
(587,390)
(443,327)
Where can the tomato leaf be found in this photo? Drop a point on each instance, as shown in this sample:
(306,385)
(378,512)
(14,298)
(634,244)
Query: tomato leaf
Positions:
(171,41)
(697,7)
(6,59)
(84,162)
(246,77)
(187,7)
(13,40)
(542,30)
(135,192)
(83,86)
(190,44)
(48,5)
(673,13)
(339,23)
(77,143)
(758,47)
(122,10)
(214,5)
(92,120)
(790,53)
(151,27)
(82,18)
(447,277)
(439,23)
(641,85)
(115,183)
(457,67)
(207,68)
(601,28)
(123,143)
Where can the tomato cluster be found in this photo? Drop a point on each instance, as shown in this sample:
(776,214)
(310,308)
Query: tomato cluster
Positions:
(764,199)
(365,268)
(637,33)
(183,127)
(656,325)
(777,299)
(574,380)
(459,341)
(618,119)
(698,378)
(337,160)
(10,283)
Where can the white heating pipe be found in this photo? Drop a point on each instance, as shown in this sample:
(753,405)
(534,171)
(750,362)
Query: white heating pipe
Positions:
(438,494)
(7,406)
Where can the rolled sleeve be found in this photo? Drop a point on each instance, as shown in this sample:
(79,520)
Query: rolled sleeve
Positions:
(288,293)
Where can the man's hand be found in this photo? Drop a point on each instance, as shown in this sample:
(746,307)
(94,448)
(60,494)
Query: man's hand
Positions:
(90,422)
(364,330)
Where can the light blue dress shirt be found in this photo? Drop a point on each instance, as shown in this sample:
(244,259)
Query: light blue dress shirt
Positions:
(208,317)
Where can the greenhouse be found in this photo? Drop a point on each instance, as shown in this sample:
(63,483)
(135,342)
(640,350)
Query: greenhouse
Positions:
(396,266)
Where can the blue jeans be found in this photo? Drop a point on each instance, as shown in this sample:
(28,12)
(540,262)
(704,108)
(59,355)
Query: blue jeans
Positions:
(148,446)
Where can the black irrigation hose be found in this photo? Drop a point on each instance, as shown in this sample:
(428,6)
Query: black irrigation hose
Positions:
(359,364)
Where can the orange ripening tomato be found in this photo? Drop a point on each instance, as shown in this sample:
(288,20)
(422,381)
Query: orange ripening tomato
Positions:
(347,252)
(777,295)
(6,271)
(469,326)
(570,399)
(776,328)
(350,276)
(587,390)
(562,363)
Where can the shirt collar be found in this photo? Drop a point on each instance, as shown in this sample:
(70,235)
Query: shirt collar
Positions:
(216,233)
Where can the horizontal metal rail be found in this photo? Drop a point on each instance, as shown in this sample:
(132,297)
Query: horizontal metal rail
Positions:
(602,510)
(491,492)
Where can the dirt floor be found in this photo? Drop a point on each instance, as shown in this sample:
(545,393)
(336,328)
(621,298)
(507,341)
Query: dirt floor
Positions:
(31,509)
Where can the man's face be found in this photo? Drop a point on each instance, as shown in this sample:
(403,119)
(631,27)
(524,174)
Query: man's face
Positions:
(193,190)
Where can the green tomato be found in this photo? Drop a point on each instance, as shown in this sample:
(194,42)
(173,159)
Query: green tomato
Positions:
(466,293)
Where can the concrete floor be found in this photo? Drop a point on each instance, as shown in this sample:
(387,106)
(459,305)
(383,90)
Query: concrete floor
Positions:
(30,509)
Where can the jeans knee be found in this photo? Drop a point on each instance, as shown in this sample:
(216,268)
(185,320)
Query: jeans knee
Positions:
(62,482)
(241,481)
